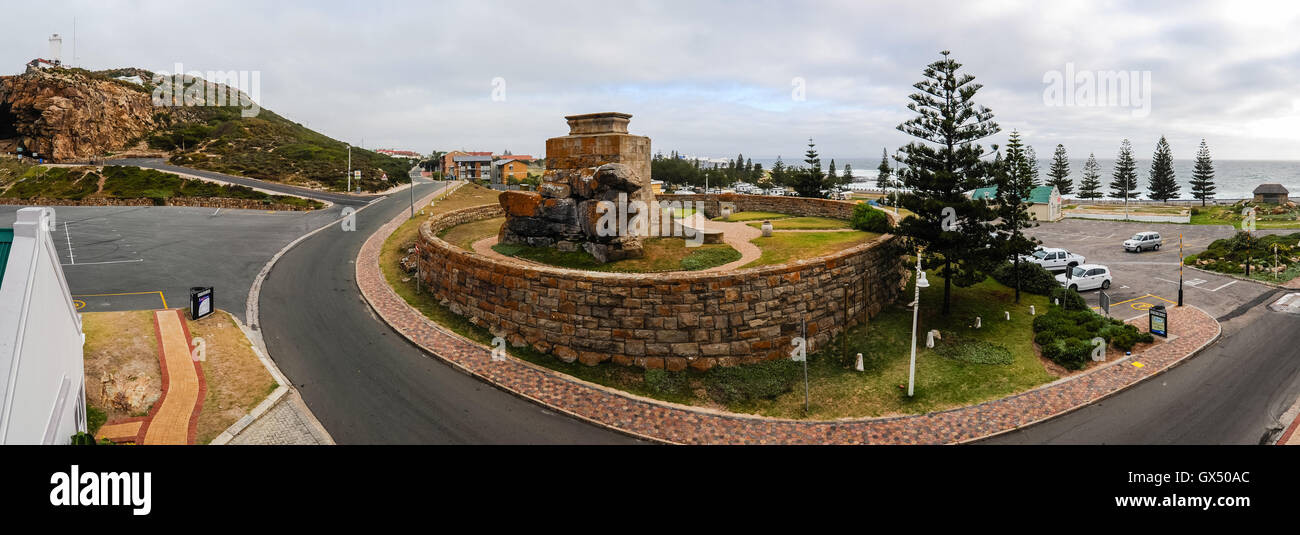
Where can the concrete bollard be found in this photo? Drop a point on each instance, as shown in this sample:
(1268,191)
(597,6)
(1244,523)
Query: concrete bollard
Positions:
(929,339)
(859,366)
(1008,315)
(977,322)
(1032,312)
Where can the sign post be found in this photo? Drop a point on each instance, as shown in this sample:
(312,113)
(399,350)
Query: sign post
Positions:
(201,302)
(1104,302)
(1158,321)
(1180,269)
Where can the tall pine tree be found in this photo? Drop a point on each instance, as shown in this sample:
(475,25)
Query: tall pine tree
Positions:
(883,179)
(848,175)
(808,182)
(939,169)
(1060,171)
(1124,177)
(1031,159)
(1162,184)
(1090,185)
(1011,176)
(1203,174)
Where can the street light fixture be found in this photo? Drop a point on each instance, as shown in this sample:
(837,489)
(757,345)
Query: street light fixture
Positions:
(921,282)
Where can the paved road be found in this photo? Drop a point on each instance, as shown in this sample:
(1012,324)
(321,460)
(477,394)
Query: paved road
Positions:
(162,165)
(154,253)
(367,384)
(1232,393)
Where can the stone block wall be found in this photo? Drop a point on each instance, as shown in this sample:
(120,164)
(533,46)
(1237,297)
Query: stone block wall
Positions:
(663,320)
(799,206)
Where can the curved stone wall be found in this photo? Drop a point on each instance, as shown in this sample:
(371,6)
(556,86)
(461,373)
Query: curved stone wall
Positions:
(665,320)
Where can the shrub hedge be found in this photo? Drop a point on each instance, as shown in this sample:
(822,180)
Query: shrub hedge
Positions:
(869,219)
(1034,278)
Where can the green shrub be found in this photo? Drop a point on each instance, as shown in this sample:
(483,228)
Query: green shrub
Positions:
(83,439)
(1072,353)
(1068,299)
(1130,336)
(869,219)
(94,419)
(1034,278)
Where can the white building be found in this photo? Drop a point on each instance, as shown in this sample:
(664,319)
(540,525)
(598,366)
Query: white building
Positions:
(42,375)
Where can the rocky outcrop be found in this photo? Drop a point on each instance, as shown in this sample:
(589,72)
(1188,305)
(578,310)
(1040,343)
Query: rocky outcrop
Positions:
(65,115)
(567,213)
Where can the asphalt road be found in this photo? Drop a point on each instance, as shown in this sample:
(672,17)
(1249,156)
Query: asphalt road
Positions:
(162,165)
(363,381)
(132,258)
(1232,393)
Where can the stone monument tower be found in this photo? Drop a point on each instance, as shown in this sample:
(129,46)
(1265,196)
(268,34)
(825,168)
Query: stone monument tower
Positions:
(598,161)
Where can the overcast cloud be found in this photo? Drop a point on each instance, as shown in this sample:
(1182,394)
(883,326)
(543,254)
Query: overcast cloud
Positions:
(709,78)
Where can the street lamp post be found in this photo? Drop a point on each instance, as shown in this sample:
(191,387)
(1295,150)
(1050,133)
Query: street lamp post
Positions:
(349,170)
(921,282)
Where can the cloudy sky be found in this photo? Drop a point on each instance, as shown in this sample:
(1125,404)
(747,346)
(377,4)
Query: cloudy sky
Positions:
(711,78)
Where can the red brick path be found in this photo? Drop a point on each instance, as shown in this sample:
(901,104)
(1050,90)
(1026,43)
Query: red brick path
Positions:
(674,423)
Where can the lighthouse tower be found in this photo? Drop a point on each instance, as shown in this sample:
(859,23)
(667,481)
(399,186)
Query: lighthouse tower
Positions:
(56,49)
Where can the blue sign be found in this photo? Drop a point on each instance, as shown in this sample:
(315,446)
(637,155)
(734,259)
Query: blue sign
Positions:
(1158,321)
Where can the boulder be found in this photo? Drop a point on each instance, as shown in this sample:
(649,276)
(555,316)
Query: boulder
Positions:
(616,176)
(520,203)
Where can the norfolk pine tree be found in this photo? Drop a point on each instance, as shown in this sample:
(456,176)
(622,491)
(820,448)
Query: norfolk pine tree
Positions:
(1090,185)
(1162,185)
(1125,174)
(1203,175)
(939,170)
(1060,172)
(1014,181)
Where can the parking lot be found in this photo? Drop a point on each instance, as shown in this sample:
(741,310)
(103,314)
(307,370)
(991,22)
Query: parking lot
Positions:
(1142,280)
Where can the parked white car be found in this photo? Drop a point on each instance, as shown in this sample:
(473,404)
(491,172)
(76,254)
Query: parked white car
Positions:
(1142,241)
(1055,259)
(1086,277)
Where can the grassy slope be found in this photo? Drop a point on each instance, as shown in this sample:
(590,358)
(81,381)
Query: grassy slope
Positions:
(270,147)
(661,254)
(805,223)
(119,182)
(1231,215)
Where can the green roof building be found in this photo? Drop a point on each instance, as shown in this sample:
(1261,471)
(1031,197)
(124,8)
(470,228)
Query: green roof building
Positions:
(1045,201)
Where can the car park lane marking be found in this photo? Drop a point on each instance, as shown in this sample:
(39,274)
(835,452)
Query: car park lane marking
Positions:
(1224,286)
(160,296)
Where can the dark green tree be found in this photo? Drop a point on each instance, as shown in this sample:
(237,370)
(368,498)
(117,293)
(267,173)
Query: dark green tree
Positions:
(1124,177)
(1031,159)
(1060,171)
(938,171)
(810,181)
(883,179)
(779,175)
(1090,185)
(1203,174)
(1014,182)
(832,177)
(1162,184)
(848,175)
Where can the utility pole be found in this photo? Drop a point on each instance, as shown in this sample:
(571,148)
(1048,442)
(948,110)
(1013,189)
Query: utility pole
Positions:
(1180,269)
(413,196)
(348,171)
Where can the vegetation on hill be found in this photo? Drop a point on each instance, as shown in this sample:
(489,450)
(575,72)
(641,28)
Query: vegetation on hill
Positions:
(270,147)
(1230,255)
(118,182)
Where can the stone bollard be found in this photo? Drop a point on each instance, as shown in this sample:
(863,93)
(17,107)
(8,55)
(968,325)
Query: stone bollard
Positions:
(1056,302)
(929,339)
(977,322)
(1008,315)
(859,366)
(767,229)
(1032,312)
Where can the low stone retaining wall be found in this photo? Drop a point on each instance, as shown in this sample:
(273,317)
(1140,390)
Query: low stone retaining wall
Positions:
(201,202)
(664,320)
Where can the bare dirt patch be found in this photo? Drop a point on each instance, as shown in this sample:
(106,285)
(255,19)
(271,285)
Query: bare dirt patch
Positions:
(237,381)
(123,377)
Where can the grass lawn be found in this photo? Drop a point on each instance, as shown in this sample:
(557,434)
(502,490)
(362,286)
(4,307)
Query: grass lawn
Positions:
(237,380)
(787,246)
(661,254)
(1231,215)
(465,235)
(805,223)
(1133,209)
(739,217)
(942,382)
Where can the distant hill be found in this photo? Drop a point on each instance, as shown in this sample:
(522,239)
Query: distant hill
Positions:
(76,115)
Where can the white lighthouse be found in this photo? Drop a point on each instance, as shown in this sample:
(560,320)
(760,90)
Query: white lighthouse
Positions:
(56,49)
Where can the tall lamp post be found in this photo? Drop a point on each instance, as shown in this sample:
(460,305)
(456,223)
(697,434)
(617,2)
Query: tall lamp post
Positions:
(921,282)
(349,171)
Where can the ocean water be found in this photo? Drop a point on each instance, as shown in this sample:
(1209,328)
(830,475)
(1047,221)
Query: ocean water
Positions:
(1234,179)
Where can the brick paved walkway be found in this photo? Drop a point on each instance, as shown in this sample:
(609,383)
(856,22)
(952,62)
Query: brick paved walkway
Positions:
(691,425)
(174,417)
(284,424)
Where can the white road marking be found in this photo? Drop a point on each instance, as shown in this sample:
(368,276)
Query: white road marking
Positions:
(218,211)
(1224,286)
(68,235)
(107,262)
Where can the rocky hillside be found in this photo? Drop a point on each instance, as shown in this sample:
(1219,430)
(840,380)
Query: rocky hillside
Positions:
(74,115)
(68,114)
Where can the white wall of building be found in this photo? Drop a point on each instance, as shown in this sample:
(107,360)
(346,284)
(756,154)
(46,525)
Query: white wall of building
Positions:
(42,374)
